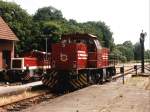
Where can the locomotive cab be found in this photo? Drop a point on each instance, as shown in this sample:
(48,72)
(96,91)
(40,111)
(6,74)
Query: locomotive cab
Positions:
(97,57)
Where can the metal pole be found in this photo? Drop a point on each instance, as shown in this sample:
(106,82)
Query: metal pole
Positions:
(149,24)
(135,68)
(122,73)
(142,57)
(142,38)
(46,48)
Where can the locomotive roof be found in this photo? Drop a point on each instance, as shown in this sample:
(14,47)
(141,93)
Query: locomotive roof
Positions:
(79,35)
(5,31)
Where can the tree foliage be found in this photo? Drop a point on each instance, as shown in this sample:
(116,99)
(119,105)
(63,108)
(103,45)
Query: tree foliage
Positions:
(147,54)
(137,51)
(48,22)
(48,13)
(125,51)
(19,21)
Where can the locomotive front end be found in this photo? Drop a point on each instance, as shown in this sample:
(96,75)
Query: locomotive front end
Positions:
(68,57)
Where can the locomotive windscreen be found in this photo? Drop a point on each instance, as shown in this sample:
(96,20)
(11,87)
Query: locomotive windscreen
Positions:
(16,63)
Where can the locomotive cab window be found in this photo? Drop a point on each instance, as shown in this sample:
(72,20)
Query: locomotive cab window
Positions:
(16,63)
(64,41)
(80,41)
(91,45)
(98,45)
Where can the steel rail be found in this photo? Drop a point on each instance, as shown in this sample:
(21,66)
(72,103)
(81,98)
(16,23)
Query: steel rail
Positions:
(23,99)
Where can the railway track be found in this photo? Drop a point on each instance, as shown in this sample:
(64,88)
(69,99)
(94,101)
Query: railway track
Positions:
(24,103)
(131,70)
(10,84)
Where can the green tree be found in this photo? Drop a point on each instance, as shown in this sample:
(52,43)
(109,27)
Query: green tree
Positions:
(48,13)
(48,22)
(147,54)
(129,50)
(137,51)
(125,51)
(101,30)
(20,22)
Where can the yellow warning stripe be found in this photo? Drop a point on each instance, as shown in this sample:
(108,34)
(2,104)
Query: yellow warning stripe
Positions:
(46,83)
(52,82)
(49,81)
(49,84)
(83,79)
(80,82)
(84,82)
(74,81)
(44,80)
(75,86)
(52,85)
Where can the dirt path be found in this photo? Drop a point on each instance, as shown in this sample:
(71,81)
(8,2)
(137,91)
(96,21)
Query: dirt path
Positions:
(112,97)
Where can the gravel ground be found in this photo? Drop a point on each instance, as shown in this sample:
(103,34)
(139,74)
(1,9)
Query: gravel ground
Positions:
(111,97)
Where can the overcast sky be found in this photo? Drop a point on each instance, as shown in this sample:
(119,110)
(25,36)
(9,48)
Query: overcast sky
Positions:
(126,18)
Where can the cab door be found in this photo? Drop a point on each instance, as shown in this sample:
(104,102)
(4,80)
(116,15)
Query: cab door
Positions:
(92,54)
(6,57)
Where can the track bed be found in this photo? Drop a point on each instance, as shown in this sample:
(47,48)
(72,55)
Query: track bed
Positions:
(111,97)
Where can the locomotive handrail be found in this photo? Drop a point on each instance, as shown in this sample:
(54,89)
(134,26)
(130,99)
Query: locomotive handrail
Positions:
(91,60)
(91,52)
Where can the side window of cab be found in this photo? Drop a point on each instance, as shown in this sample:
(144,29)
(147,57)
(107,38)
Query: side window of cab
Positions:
(91,46)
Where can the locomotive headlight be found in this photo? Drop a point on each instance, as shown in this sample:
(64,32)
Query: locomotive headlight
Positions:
(63,57)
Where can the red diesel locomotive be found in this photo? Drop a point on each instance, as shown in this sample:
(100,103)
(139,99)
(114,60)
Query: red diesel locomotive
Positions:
(77,61)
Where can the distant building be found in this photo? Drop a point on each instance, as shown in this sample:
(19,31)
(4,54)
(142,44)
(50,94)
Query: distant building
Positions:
(7,41)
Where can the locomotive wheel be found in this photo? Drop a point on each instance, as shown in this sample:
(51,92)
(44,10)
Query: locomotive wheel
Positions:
(94,78)
(104,75)
(109,76)
(97,78)
(6,77)
(91,80)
